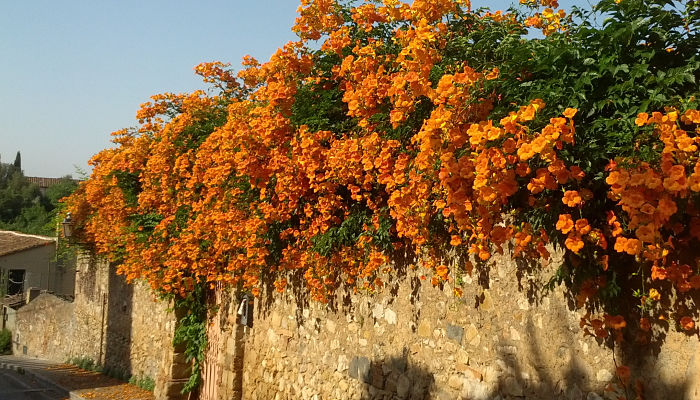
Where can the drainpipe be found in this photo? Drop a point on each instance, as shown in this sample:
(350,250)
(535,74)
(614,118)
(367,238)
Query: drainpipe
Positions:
(102,328)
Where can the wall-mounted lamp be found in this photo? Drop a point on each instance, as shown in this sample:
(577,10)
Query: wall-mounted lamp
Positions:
(245,312)
(67,225)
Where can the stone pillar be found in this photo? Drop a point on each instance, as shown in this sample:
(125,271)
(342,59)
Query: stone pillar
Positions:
(237,364)
(231,361)
(174,369)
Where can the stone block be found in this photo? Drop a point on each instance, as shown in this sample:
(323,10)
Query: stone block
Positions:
(425,329)
(455,332)
(330,326)
(398,364)
(275,319)
(603,375)
(462,356)
(473,374)
(403,386)
(180,371)
(359,369)
(454,381)
(487,303)
(342,363)
(173,390)
(513,387)
(514,334)
(377,377)
(416,348)
(477,391)
(390,316)
(378,311)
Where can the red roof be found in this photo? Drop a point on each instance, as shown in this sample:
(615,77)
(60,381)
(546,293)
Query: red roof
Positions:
(46,182)
(13,242)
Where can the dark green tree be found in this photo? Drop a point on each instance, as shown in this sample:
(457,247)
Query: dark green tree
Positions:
(18,161)
(56,192)
(23,207)
(16,193)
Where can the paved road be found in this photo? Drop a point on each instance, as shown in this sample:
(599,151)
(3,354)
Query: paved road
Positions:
(46,380)
(16,386)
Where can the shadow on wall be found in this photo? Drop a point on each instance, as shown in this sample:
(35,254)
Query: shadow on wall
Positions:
(398,378)
(393,376)
(296,286)
(530,368)
(117,338)
(571,380)
(113,308)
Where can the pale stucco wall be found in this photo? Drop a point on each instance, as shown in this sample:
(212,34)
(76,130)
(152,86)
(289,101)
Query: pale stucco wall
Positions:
(41,269)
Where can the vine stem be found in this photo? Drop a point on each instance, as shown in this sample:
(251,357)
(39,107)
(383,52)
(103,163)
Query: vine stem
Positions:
(627,395)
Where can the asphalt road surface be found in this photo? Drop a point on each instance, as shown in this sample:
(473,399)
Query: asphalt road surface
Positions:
(16,386)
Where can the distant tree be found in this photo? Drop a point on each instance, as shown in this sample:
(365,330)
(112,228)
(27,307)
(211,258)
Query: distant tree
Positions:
(6,172)
(16,193)
(23,207)
(64,188)
(18,161)
(34,219)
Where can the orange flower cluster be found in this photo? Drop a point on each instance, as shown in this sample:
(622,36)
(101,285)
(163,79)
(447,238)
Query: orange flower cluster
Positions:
(239,186)
(550,20)
(602,328)
(651,196)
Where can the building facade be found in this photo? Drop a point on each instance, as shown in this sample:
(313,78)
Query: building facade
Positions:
(28,266)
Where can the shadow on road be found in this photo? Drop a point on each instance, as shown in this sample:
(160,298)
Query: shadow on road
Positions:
(19,385)
(69,378)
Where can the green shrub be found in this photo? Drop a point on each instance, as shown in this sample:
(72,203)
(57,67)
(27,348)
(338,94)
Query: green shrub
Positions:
(144,382)
(5,342)
(117,373)
(85,363)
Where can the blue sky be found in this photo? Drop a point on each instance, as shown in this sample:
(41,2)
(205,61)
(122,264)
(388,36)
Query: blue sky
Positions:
(73,71)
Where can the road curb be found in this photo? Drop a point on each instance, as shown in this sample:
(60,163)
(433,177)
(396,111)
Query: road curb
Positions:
(37,375)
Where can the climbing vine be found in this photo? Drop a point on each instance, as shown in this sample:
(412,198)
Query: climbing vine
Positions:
(191,331)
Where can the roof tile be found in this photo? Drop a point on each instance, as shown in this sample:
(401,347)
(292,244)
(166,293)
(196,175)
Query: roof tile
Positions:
(13,242)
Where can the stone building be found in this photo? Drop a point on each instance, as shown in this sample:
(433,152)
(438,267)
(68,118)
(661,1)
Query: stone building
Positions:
(28,266)
(28,261)
(120,326)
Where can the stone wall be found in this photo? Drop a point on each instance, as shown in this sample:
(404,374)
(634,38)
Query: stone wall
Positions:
(502,339)
(121,327)
(41,328)
(414,341)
